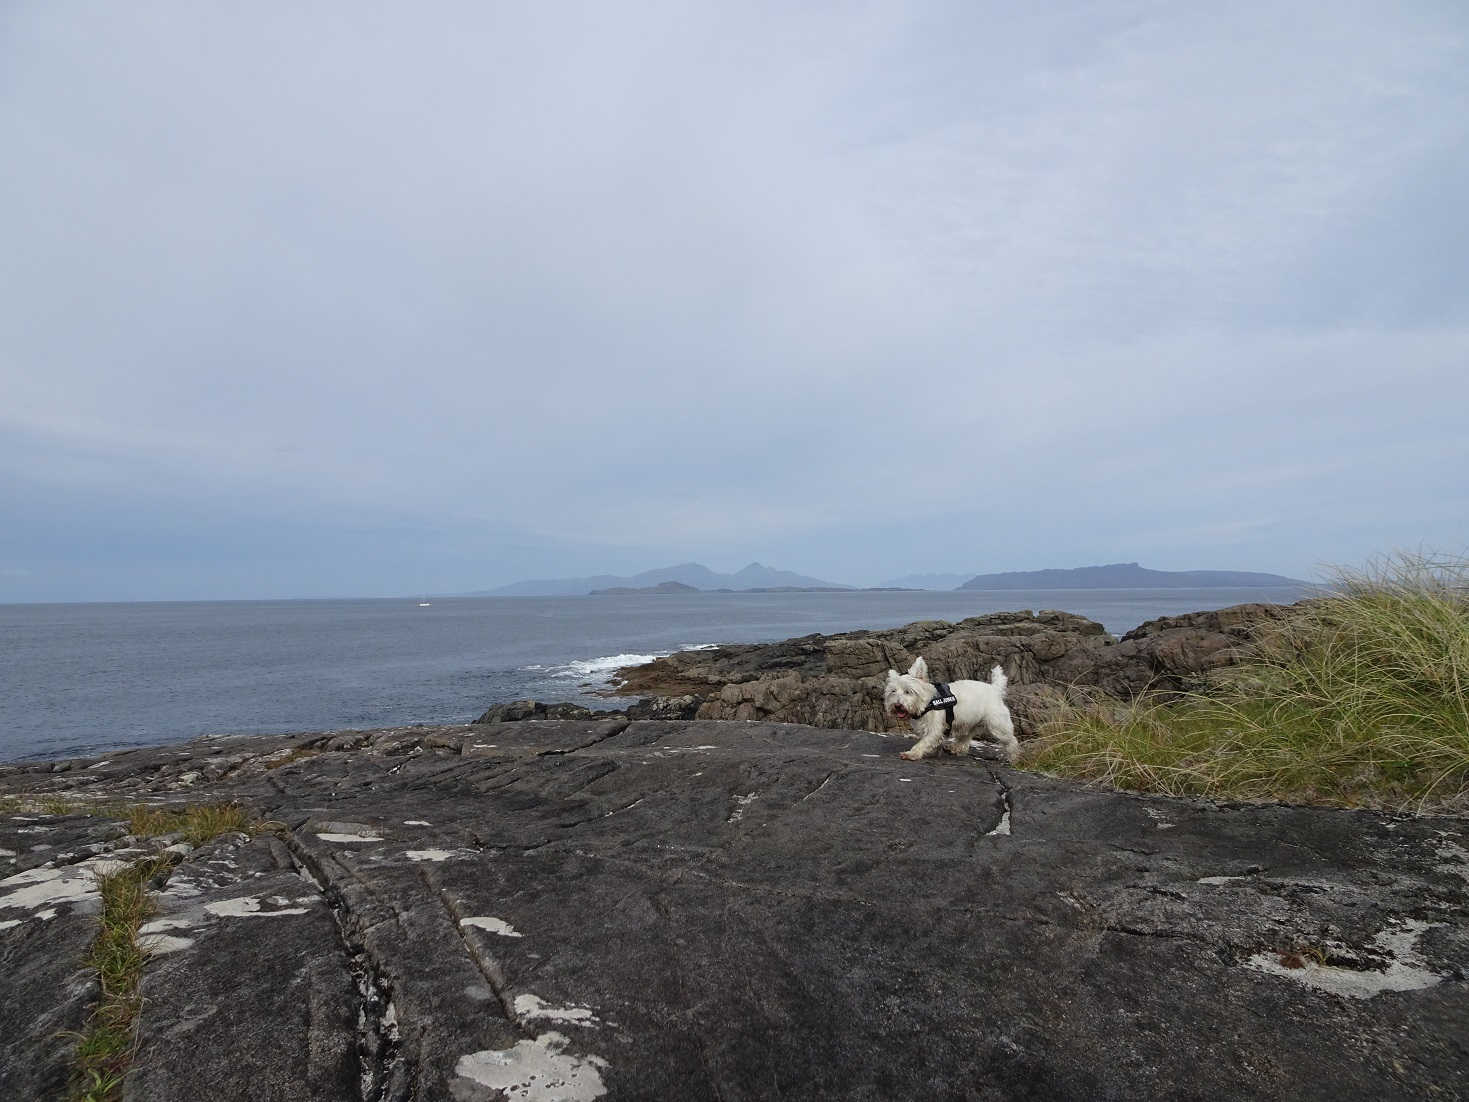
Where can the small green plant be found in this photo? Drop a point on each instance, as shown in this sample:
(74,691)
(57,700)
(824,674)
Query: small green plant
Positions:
(99,1086)
(1362,698)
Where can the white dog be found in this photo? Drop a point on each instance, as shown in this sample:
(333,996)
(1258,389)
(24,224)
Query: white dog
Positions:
(912,696)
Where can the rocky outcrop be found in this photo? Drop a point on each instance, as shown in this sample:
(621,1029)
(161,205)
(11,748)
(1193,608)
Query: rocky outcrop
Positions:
(708,910)
(664,707)
(626,590)
(836,680)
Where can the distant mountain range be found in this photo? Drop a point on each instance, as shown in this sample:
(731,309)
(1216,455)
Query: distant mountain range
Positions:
(692,574)
(756,577)
(1126,575)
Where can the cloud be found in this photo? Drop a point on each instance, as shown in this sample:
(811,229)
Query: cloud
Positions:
(748,282)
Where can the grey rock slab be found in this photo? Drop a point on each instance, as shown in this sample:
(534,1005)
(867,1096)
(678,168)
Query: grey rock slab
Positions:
(699,909)
(48,904)
(44,995)
(249,991)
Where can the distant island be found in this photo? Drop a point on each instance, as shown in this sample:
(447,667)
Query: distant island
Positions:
(679,587)
(661,587)
(924,581)
(1127,575)
(692,577)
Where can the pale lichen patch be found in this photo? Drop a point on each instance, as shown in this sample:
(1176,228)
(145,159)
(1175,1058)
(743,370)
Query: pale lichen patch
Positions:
(158,944)
(429,854)
(529,1007)
(42,887)
(493,925)
(1405,970)
(334,836)
(159,925)
(248,906)
(539,1070)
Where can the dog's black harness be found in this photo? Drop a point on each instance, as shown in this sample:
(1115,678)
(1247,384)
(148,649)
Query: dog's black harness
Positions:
(944,699)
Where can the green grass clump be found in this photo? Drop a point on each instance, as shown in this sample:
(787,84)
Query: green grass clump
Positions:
(105,1047)
(198,823)
(1361,699)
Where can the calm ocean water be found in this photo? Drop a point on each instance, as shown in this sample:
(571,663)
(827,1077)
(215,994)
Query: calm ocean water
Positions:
(89,678)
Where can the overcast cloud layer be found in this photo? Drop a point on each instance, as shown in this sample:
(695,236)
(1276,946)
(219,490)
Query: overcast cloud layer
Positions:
(379,299)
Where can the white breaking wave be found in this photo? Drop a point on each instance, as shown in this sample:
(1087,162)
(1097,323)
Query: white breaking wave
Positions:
(600,667)
(604,667)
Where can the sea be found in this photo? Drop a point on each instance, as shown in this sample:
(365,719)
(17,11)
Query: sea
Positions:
(86,679)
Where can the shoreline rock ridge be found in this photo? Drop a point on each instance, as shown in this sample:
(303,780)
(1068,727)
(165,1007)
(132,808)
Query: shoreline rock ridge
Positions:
(836,680)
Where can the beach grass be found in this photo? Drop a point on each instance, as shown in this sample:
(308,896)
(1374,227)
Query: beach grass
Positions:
(105,1047)
(197,823)
(1361,699)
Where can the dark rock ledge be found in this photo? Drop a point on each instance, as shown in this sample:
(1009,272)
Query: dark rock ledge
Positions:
(689,910)
(836,680)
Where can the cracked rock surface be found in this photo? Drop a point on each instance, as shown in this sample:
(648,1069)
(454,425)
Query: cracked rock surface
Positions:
(705,909)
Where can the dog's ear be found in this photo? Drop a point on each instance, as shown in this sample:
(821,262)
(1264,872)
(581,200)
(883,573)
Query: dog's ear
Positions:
(918,669)
(892,675)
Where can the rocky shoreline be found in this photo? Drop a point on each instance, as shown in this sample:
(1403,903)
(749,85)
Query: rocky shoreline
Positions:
(835,681)
(703,898)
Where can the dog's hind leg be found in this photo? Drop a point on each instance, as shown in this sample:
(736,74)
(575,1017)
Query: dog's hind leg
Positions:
(1003,732)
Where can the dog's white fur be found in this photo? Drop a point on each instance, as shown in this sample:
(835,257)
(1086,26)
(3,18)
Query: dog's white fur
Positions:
(979,704)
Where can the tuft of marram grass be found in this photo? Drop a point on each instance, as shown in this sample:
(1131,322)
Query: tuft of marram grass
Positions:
(105,1046)
(197,823)
(1361,699)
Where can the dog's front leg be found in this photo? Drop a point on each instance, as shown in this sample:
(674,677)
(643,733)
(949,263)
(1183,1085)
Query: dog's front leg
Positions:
(931,734)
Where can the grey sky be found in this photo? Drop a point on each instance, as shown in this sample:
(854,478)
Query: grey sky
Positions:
(369,299)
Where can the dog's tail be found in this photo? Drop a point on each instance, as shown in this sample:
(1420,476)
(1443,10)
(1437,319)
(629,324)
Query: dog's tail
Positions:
(999,680)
